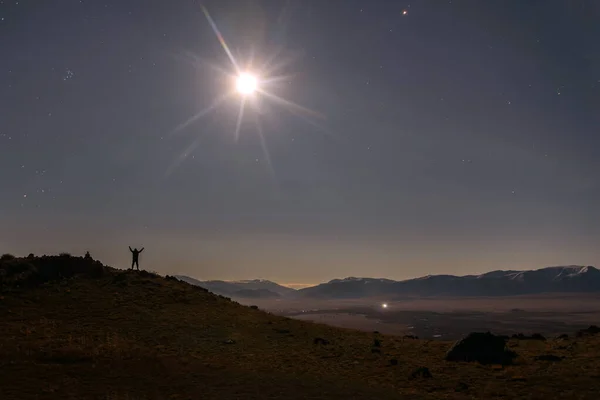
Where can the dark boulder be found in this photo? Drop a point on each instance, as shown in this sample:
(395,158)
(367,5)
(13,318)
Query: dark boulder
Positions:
(421,372)
(549,357)
(484,348)
(535,336)
(461,387)
(592,330)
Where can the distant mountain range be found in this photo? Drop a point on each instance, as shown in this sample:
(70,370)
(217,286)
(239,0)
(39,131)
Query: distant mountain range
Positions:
(255,288)
(573,278)
(496,283)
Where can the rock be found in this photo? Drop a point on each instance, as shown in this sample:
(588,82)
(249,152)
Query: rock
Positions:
(229,341)
(393,361)
(549,357)
(254,307)
(321,341)
(421,372)
(461,387)
(484,348)
(535,336)
(592,330)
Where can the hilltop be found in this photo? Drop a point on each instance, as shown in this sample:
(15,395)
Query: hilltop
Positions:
(73,328)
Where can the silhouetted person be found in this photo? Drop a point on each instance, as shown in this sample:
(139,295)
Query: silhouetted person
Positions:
(135,255)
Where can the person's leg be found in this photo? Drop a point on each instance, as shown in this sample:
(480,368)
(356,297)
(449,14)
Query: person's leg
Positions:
(137,264)
(132,263)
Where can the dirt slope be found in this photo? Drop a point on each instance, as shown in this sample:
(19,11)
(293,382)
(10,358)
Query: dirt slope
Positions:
(111,334)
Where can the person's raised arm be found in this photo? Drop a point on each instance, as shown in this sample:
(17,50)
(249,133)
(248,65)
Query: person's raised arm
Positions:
(142,250)
(130,249)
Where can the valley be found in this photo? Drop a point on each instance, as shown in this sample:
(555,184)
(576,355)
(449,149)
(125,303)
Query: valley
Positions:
(449,318)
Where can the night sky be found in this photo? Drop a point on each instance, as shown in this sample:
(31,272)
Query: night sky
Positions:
(427,137)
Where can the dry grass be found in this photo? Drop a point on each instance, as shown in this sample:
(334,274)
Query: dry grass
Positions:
(127,335)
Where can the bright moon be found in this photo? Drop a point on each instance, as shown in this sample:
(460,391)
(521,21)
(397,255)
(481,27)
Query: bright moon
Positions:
(246,84)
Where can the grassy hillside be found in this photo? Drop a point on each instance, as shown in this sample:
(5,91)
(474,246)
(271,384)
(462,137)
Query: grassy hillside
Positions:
(71,328)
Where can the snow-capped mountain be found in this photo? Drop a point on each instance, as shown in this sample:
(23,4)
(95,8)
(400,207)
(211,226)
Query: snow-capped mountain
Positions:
(349,288)
(571,278)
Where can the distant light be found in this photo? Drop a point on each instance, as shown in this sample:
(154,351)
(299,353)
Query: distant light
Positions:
(404,12)
(384,305)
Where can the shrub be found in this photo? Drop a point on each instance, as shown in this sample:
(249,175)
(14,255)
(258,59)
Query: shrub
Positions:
(66,355)
(7,257)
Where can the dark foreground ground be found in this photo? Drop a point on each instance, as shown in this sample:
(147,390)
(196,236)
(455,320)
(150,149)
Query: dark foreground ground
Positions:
(126,335)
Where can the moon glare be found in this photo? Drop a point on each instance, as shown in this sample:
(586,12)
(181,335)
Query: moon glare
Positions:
(246,84)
